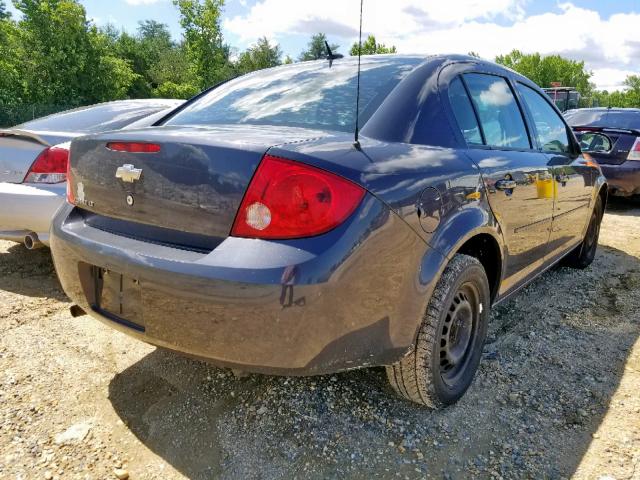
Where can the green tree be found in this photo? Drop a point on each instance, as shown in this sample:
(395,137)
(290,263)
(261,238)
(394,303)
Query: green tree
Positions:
(546,69)
(11,55)
(172,77)
(69,61)
(129,48)
(207,53)
(632,94)
(287,60)
(370,47)
(316,48)
(170,89)
(155,33)
(259,56)
(146,50)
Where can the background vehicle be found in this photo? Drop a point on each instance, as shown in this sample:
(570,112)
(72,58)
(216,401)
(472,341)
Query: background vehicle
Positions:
(34,155)
(613,137)
(249,229)
(565,98)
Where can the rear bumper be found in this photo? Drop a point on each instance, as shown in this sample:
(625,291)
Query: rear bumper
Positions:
(623,179)
(28,208)
(356,298)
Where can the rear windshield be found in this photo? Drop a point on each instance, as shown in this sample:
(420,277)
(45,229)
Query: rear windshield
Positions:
(604,118)
(98,118)
(308,94)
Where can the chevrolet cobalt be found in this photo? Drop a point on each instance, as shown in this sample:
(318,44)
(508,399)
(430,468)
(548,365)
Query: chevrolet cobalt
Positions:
(254,229)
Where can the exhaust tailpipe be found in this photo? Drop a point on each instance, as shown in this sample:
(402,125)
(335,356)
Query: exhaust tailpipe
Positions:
(31,241)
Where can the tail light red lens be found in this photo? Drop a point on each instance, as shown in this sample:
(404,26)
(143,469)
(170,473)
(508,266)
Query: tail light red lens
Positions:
(134,147)
(286,199)
(50,166)
(634,153)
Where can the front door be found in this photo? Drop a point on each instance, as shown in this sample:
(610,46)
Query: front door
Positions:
(573,176)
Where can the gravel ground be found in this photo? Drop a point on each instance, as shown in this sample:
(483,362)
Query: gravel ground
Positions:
(555,397)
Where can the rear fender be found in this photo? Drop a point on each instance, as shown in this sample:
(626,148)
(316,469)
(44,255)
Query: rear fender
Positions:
(446,241)
(461,226)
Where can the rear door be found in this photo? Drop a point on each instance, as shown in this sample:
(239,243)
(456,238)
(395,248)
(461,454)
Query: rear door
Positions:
(573,176)
(516,175)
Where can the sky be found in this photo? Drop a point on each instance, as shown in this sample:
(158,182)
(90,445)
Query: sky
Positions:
(603,33)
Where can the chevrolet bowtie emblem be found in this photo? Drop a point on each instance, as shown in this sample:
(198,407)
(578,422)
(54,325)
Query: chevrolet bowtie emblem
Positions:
(128,173)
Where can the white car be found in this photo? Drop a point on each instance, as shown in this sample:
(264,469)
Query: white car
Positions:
(34,158)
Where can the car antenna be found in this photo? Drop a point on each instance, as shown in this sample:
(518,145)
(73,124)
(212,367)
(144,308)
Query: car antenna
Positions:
(330,55)
(356,142)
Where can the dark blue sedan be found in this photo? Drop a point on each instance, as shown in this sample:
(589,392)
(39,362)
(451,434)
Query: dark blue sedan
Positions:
(612,135)
(249,229)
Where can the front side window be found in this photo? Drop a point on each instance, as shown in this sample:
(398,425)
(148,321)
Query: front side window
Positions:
(498,111)
(463,111)
(551,131)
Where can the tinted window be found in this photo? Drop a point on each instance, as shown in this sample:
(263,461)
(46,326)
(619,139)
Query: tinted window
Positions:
(499,114)
(308,94)
(463,111)
(98,118)
(604,118)
(551,131)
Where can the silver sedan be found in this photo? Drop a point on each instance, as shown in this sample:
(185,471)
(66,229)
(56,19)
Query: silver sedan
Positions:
(34,158)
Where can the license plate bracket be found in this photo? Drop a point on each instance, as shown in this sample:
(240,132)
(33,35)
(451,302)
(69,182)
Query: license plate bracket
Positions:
(118,297)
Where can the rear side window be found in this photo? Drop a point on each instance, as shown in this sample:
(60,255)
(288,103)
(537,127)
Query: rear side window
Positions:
(498,111)
(463,111)
(551,131)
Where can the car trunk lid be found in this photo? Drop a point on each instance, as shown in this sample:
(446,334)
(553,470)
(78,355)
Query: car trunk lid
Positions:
(193,184)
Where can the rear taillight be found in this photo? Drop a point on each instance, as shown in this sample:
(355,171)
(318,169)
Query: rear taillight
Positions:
(50,166)
(634,153)
(286,199)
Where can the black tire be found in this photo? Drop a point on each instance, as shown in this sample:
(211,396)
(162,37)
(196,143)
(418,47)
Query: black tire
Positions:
(582,256)
(444,360)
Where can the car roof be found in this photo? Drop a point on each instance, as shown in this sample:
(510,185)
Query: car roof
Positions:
(603,109)
(433,59)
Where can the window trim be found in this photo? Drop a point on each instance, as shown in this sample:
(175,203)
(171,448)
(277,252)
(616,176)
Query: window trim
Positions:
(573,152)
(520,109)
(473,107)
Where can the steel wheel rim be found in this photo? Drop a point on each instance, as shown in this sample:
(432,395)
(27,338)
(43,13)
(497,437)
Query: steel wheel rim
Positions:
(458,334)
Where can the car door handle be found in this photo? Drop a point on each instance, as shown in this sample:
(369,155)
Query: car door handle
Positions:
(506,184)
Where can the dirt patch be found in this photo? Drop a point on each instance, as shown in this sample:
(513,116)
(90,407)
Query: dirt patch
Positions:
(556,394)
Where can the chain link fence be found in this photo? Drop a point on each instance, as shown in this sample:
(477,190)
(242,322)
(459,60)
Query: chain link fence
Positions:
(15,114)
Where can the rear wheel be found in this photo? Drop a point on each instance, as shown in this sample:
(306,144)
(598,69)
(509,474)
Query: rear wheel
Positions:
(445,357)
(582,256)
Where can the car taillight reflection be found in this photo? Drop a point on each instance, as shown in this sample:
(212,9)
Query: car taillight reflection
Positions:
(50,166)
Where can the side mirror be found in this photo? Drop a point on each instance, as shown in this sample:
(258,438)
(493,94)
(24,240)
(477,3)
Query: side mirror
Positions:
(594,142)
